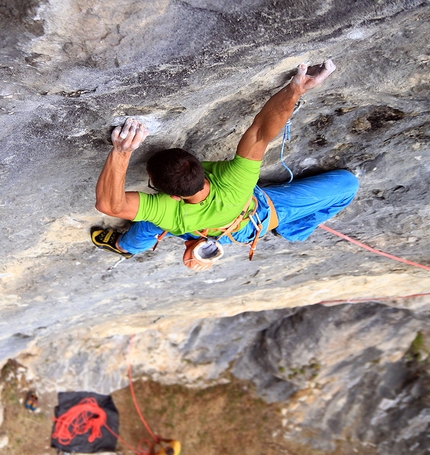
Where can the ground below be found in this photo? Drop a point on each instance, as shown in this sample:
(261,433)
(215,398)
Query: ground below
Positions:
(221,420)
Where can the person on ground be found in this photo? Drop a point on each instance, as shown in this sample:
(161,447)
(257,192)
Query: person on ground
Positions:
(195,198)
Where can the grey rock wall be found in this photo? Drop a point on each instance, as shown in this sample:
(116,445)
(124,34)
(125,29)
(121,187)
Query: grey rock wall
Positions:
(358,368)
(351,374)
(196,72)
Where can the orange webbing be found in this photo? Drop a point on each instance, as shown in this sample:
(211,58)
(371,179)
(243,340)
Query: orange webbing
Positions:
(229,228)
(273,223)
(235,224)
(273,220)
(160,237)
(225,229)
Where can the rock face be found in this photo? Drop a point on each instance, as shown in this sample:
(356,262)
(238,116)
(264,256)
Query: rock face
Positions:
(355,381)
(352,373)
(196,72)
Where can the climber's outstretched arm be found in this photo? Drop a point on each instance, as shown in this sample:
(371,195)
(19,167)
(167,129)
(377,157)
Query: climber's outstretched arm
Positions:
(276,112)
(111,197)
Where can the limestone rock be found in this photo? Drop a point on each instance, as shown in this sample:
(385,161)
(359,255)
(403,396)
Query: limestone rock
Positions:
(197,72)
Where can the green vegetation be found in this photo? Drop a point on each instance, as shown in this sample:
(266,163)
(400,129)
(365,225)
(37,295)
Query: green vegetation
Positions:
(417,351)
(308,371)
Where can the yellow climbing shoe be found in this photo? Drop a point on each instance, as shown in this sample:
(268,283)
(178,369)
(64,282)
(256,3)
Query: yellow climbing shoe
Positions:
(106,239)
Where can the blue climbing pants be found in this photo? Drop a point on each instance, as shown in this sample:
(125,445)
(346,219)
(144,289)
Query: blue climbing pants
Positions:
(300,206)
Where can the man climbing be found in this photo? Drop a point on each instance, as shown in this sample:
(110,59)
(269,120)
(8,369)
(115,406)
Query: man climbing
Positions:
(206,199)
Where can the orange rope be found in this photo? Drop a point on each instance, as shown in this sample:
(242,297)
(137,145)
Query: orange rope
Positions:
(137,452)
(362,245)
(153,436)
(86,416)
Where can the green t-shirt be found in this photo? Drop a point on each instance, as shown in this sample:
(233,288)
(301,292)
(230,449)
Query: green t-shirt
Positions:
(231,186)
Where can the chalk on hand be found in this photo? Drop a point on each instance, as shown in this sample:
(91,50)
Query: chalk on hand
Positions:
(123,135)
(151,123)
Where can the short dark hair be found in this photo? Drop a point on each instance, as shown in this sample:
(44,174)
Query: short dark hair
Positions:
(169,451)
(176,172)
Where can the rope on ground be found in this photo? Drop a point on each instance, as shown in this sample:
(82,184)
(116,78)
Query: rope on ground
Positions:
(86,416)
(373,250)
(137,452)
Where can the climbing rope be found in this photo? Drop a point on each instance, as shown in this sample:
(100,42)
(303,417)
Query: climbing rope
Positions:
(371,299)
(88,416)
(153,436)
(85,416)
(373,250)
(287,137)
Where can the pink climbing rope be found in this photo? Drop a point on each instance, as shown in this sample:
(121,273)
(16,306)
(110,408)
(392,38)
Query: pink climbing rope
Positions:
(371,299)
(366,247)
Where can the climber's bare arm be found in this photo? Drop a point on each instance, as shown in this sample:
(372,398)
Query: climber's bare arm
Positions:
(276,112)
(111,197)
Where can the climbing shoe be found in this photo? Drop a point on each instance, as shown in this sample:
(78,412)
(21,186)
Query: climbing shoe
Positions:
(106,239)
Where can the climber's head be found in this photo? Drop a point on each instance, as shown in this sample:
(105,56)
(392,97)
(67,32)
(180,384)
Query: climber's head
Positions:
(176,172)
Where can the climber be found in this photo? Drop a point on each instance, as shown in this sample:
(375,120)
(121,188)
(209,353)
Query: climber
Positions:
(196,200)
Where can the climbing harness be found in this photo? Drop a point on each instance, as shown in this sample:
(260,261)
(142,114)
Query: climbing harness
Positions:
(273,223)
(201,253)
(227,230)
